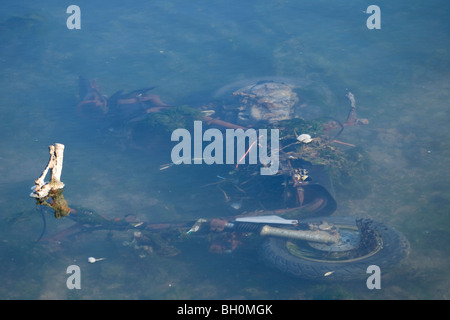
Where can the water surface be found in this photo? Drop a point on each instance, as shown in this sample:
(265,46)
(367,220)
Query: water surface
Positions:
(191,50)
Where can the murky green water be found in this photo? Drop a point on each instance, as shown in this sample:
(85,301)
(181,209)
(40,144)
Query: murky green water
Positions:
(190,50)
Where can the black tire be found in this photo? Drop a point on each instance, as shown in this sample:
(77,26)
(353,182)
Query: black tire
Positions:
(302,259)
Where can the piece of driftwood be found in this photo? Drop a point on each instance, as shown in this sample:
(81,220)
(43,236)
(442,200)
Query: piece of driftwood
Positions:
(41,188)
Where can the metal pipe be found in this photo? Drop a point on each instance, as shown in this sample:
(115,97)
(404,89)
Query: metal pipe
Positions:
(313,236)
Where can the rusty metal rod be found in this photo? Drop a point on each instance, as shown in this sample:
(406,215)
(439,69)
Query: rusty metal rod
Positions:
(313,236)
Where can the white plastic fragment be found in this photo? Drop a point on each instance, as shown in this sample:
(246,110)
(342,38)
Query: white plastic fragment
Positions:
(305,138)
(266,219)
(94,260)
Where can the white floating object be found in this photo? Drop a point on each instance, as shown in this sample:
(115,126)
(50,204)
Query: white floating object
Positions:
(236,205)
(266,219)
(41,188)
(305,138)
(94,260)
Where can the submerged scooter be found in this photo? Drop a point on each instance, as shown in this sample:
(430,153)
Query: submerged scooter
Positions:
(301,239)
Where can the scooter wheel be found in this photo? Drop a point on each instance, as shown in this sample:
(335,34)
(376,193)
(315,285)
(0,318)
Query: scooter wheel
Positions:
(364,242)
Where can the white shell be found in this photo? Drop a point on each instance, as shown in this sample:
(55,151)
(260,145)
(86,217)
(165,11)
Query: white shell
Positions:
(93,260)
(305,138)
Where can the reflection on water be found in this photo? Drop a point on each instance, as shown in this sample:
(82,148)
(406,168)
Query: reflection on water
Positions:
(194,53)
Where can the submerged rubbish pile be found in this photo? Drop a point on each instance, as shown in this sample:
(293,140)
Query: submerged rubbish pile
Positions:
(274,206)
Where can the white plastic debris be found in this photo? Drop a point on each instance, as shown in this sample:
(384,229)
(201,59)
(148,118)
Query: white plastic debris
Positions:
(266,219)
(305,138)
(94,260)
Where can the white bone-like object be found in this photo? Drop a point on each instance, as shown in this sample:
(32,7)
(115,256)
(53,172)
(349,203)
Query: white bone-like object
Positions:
(41,188)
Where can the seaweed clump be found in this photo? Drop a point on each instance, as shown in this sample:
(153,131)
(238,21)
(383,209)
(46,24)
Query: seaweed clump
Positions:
(345,166)
(173,118)
(289,128)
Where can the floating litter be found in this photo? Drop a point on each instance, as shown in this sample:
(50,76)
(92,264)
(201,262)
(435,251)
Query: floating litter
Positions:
(305,138)
(94,260)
